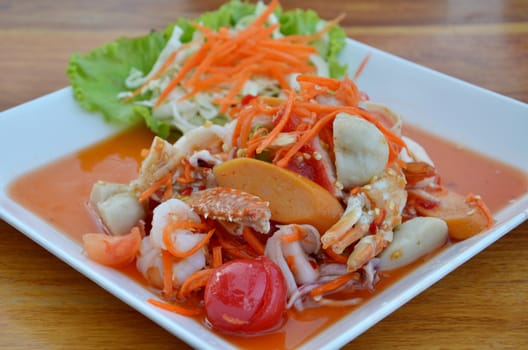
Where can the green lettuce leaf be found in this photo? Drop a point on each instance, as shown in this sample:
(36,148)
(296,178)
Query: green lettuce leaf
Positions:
(336,43)
(99,76)
(227,15)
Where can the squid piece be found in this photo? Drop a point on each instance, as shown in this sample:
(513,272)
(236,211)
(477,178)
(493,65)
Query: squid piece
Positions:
(414,152)
(376,208)
(293,256)
(385,115)
(361,150)
(161,158)
(412,240)
(116,207)
(164,158)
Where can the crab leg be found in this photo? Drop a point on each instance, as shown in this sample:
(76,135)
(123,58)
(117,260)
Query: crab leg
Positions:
(367,248)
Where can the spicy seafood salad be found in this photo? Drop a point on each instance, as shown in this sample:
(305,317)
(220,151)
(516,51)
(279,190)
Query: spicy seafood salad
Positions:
(288,188)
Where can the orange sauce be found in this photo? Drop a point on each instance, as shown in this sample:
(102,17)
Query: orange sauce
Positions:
(59,191)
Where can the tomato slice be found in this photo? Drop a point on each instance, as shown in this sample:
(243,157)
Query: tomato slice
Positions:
(272,310)
(245,295)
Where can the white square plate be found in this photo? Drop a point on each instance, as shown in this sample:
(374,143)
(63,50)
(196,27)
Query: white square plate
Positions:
(476,118)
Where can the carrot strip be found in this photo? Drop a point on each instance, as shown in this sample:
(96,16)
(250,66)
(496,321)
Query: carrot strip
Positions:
(234,248)
(195,281)
(189,64)
(182,310)
(334,256)
(167,261)
(282,123)
(290,261)
(333,285)
(235,89)
(361,66)
(158,73)
(233,58)
(187,174)
(170,59)
(168,190)
(332,84)
(252,240)
(217,256)
(246,127)
(174,225)
(263,17)
(305,138)
(297,235)
(154,187)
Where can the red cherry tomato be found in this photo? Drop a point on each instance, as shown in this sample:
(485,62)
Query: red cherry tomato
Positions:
(246,296)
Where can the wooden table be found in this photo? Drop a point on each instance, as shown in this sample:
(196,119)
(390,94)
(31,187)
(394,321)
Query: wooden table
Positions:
(44,304)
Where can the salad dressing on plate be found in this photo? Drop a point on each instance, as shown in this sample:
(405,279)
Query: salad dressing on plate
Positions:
(59,192)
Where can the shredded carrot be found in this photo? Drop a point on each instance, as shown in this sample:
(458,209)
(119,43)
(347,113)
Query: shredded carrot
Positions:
(362,65)
(167,261)
(217,256)
(246,127)
(170,59)
(348,92)
(301,115)
(334,256)
(306,137)
(168,190)
(182,310)
(155,187)
(332,84)
(187,67)
(195,281)
(187,173)
(284,117)
(182,224)
(333,285)
(290,260)
(252,240)
(233,247)
(233,58)
(296,235)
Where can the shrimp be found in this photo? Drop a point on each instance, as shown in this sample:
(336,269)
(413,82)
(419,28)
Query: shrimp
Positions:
(376,207)
(112,250)
(170,210)
(150,262)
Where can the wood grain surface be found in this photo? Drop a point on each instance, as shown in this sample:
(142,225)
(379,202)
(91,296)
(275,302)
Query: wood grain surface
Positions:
(44,304)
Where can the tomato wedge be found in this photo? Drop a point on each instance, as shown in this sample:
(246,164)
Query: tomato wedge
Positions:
(246,296)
